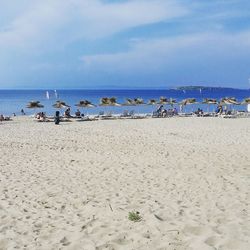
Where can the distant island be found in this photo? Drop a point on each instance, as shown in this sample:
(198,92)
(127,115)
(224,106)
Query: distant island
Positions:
(201,88)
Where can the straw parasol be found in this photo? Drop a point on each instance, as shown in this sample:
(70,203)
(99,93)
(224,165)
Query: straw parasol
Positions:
(105,101)
(188,101)
(34,105)
(60,105)
(172,101)
(246,101)
(163,100)
(229,101)
(152,102)
(209,101)
(129,102)
(85,104)
(139,101)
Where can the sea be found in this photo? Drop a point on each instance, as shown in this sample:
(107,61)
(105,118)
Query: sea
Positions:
(12,101)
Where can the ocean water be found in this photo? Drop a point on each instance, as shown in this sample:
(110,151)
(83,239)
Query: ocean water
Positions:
(12,101)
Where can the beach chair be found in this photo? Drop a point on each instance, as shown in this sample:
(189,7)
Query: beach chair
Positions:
(156,114)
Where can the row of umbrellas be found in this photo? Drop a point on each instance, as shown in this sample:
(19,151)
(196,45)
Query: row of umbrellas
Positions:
(105,101)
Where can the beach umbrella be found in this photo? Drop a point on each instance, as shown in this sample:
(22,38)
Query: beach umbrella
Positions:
(163,100)
(229,101)
(105,101)
(139,101)
(209,101)
(134,102)
(60,105)
(152,102)
(129,102)
(85,104)
(34,105)
(188,101)
(246,101)
(172,102)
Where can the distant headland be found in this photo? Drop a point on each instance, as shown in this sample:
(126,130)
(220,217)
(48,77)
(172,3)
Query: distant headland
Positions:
(203,88)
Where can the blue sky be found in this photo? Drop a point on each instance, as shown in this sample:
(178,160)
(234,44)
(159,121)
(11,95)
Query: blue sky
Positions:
(124,43)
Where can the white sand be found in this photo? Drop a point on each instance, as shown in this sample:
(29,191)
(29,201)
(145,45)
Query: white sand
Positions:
(71,186)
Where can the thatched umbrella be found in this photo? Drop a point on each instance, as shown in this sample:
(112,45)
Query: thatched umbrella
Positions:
(209,101)
(229,101)
(34,105)
(85,104)
(105,101)
(60,105)
(152,102)
(188,101)
(163,100)
(172,102)
(129,102)
(139,101)
(247,102)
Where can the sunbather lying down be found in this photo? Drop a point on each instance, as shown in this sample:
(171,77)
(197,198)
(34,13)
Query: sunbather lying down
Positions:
(4,118)
(41,116)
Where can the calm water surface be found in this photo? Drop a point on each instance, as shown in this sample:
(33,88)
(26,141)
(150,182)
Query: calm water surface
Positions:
(12,101)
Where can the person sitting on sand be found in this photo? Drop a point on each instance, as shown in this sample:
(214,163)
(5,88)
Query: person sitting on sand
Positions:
(41,116)
(78,113)
(1,118)
(159,110)
(219,110)
(67,113)
(163,112)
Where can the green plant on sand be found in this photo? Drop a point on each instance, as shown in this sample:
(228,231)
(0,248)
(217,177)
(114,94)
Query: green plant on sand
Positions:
(134,216)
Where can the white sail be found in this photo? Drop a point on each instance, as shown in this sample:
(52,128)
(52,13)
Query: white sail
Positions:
(47,94)
(56,95)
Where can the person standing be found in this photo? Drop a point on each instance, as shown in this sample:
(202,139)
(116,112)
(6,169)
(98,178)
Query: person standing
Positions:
(57,118)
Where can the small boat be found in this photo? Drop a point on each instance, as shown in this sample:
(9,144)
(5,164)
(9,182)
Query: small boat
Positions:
(56,95)
(47,95)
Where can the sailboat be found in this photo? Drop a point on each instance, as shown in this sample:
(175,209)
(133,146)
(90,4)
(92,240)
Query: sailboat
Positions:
(47,95)
(56,95)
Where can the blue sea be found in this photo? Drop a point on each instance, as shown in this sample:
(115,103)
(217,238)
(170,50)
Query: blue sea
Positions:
(12,101)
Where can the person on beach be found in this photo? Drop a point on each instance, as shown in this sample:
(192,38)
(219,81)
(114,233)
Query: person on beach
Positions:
(219,110)
(22,112)
(67,113)
(78,113)
(57,118)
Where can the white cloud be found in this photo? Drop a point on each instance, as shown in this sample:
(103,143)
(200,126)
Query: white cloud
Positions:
(58,22)
(157,55)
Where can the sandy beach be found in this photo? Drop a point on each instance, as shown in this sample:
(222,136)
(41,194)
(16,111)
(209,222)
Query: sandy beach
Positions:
(72,186)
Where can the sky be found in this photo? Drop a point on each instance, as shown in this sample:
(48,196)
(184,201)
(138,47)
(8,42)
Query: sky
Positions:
(124,43)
